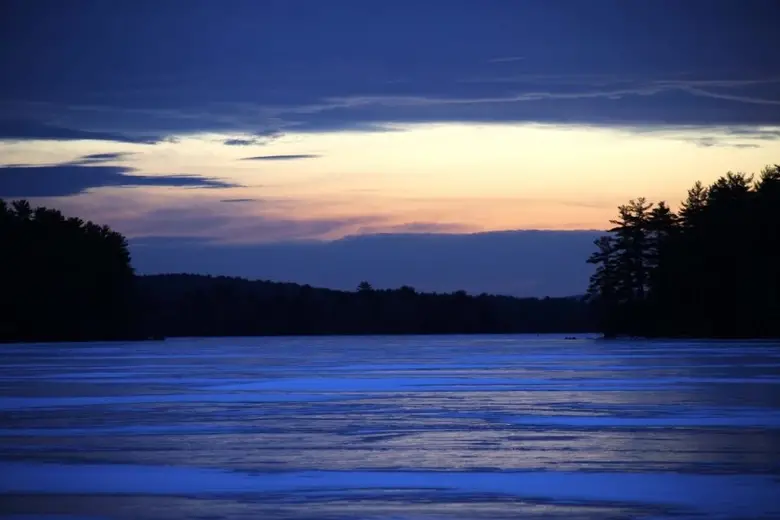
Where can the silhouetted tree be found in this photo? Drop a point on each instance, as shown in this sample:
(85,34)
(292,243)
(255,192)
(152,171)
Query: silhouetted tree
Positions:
(61,278)
(605,290)
(711,271)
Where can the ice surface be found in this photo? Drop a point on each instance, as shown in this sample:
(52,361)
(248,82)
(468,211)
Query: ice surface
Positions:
(713,494)
(389,427)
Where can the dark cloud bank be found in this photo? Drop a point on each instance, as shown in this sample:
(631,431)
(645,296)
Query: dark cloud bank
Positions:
(21,130)
(24,181)
(136,72)
(523,263)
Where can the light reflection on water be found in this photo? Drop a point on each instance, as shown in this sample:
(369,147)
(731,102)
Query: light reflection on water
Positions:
(416,427)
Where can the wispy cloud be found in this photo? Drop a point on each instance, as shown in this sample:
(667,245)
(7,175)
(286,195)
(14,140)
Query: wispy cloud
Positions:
(287,157)
(335,103)
(96,158)
(241,142)
(257,140)
(648,88)
(233,225)
(506,59)
(238,200)
(720,133)
(415,227)
(763,134)
(730,97)
(707,142)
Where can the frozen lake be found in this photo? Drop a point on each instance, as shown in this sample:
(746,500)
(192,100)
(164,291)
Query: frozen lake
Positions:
(401,428)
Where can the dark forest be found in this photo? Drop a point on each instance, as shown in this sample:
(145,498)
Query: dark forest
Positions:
(710,271)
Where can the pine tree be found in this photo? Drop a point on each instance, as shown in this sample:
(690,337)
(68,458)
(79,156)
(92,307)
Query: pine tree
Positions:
(712,271)
(603,290)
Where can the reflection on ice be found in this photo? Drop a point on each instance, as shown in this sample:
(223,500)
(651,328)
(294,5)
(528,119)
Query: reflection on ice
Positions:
(759,419)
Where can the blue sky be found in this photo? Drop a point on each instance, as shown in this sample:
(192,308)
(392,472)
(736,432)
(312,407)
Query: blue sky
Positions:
(265,122)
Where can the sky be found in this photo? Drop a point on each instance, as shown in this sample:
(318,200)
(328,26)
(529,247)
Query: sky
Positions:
(467,144)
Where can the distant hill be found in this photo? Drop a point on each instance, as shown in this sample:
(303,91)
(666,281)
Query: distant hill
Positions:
(198,305)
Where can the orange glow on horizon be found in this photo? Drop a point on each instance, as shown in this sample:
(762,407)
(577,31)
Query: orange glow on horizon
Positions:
(445,177)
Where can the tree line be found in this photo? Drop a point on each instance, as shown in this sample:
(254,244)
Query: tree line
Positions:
(707,270)
(197,305)
(66,279)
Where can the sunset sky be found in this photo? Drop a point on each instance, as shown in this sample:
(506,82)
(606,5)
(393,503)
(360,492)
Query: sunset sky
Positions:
(234,130)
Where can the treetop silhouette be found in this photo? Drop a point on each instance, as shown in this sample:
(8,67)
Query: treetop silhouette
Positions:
(710,270)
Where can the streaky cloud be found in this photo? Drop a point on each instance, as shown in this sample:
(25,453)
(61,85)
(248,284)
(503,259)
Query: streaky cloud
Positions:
(414,227)
(506,59)
(232,227)
(762,134)
(739,136)
(731,97)
(260,139)
(707,142)
(288,157)
(238,200)
(96,158)
(647,88)
(241,142)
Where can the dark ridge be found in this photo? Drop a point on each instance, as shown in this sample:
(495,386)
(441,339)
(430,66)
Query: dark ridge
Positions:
(64,279)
